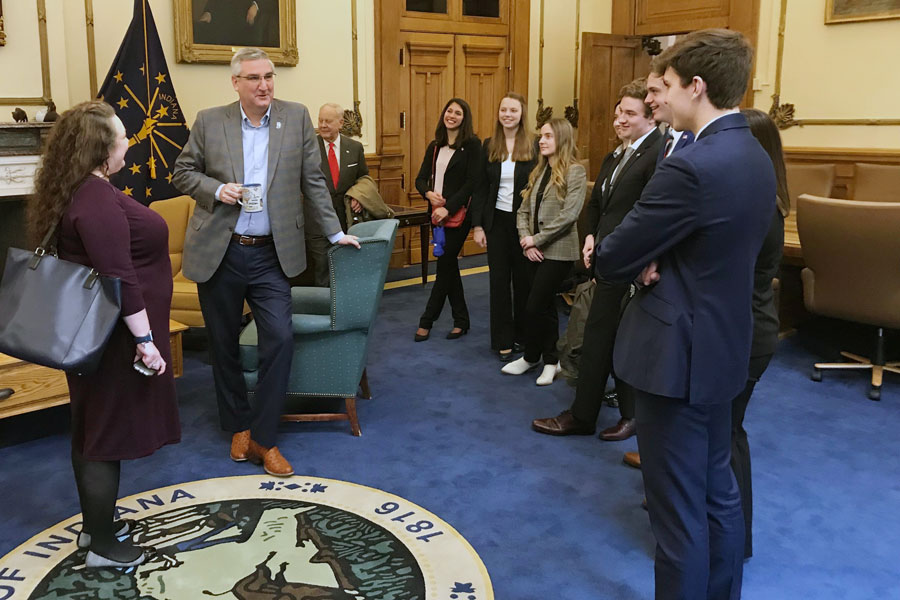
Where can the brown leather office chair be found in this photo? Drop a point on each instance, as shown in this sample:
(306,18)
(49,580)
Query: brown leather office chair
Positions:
(813,179)
(852,255)
(876,183)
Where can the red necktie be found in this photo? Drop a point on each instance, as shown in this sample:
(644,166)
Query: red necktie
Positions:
(669,144)
(333,164)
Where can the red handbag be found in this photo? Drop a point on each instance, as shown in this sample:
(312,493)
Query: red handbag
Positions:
(457,218)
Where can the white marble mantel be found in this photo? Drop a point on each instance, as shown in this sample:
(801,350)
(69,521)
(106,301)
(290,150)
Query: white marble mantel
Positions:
(17,174)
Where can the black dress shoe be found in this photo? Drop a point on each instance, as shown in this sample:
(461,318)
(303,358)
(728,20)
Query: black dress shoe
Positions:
(611,399)
(622,430)
(518,348)
(563,424)
(422,338)
(457,334)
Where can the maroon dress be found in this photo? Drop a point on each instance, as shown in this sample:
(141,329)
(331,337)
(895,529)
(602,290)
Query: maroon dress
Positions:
(117,413)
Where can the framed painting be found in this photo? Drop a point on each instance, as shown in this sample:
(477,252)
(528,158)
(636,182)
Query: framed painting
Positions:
(850,11)
(209,31)
(2,31)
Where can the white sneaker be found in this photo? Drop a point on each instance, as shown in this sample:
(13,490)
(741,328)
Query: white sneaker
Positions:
(518,366)
(548,374)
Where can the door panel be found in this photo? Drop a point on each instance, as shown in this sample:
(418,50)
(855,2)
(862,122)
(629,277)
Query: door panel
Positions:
(482,78)
(607,63)
(428,84)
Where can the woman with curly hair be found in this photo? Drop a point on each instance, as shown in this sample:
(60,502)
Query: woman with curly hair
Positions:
(117,412)
(549,239)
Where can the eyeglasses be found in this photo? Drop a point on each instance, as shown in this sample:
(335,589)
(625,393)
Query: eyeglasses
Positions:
(269,78)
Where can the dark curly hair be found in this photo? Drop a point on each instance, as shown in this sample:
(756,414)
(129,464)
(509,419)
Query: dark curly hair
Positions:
(79,142)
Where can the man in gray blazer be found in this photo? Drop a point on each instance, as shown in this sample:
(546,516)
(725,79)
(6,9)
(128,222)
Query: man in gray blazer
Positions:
(343,163)
(253,168)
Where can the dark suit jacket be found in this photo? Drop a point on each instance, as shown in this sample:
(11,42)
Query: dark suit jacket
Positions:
(485,196)
(686,138)
(214,154)
(606,209)
(703,217)
(460,177)
(353,166)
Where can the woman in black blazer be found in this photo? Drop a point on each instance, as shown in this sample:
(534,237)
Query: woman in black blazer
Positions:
(446,180)
(507,158)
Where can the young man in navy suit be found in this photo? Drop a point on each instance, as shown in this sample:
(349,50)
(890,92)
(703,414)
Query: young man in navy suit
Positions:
(684,341)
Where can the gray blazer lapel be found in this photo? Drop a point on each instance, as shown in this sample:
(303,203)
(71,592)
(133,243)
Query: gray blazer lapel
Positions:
(277,125)
(234,141)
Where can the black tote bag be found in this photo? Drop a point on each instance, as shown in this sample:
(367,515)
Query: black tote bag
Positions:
(56,313)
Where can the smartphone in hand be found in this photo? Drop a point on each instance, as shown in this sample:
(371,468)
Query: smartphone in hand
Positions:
(143,369)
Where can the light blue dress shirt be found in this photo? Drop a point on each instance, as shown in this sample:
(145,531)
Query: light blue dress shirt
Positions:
(255,142)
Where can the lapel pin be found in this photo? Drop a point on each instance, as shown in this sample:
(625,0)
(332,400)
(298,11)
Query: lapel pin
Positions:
(278,125)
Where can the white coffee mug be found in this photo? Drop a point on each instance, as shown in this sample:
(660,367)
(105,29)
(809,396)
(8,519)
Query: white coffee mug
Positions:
(251,194)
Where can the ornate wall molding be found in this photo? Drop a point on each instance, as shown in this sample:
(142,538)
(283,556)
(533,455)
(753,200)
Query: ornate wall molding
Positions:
(353,120)
(91,50)
(45,64)
(783,114)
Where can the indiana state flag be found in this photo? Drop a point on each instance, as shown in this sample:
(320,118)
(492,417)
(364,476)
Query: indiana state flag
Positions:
(138,86)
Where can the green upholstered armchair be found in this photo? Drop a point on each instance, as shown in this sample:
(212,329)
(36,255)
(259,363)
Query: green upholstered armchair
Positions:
(332,325)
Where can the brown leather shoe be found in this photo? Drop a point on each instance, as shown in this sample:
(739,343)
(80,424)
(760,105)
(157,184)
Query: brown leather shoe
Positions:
(563,424)
(240,443)
(622,430)
(272,460)
(632,459)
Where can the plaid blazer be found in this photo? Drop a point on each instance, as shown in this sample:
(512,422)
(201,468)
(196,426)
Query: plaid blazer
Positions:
(214,154)
(558,235)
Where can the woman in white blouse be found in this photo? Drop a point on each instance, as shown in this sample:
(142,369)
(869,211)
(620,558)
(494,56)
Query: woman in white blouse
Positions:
(507,158)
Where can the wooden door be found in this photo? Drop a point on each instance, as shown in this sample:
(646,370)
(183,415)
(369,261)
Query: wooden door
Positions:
(427,82)
(607,63)
(438,67)
(481,78)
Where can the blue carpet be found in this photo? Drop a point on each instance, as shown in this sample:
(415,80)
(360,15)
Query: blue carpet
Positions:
(550,517)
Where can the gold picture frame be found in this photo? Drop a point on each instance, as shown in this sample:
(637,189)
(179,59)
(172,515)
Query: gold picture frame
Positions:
(45,97)
(852,11)
(2,32)
(201,37)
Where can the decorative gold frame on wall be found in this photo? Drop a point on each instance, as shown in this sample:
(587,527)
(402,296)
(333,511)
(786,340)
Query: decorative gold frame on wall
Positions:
(2,33)
(44,99)
(783,114)
(186,51)
(870,15)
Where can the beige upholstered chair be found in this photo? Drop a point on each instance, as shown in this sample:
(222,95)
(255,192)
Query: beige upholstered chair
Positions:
(813,179)
(185,302)
(876,183)
(852,255)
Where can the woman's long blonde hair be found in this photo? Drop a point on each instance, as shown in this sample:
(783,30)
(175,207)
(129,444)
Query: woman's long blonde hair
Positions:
(565,156)
(523,150)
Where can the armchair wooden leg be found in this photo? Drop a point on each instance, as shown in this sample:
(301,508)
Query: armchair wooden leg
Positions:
(364,386)
(351,415)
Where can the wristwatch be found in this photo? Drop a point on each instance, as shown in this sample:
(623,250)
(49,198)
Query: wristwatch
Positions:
(144,338)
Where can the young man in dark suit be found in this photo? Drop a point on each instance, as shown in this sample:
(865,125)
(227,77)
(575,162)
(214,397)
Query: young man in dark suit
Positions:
(343,163)
(684,340)
(621,180)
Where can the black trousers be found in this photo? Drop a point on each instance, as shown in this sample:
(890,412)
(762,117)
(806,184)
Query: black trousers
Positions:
(252,273)
(595,363)
(540,310)
(508,267)
(740,447)
(692,497)
(448,282)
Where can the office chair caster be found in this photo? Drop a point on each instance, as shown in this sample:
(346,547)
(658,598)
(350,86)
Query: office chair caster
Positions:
(875,393)
(816,375)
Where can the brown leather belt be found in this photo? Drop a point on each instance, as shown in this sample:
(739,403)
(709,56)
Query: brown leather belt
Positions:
(251,240)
